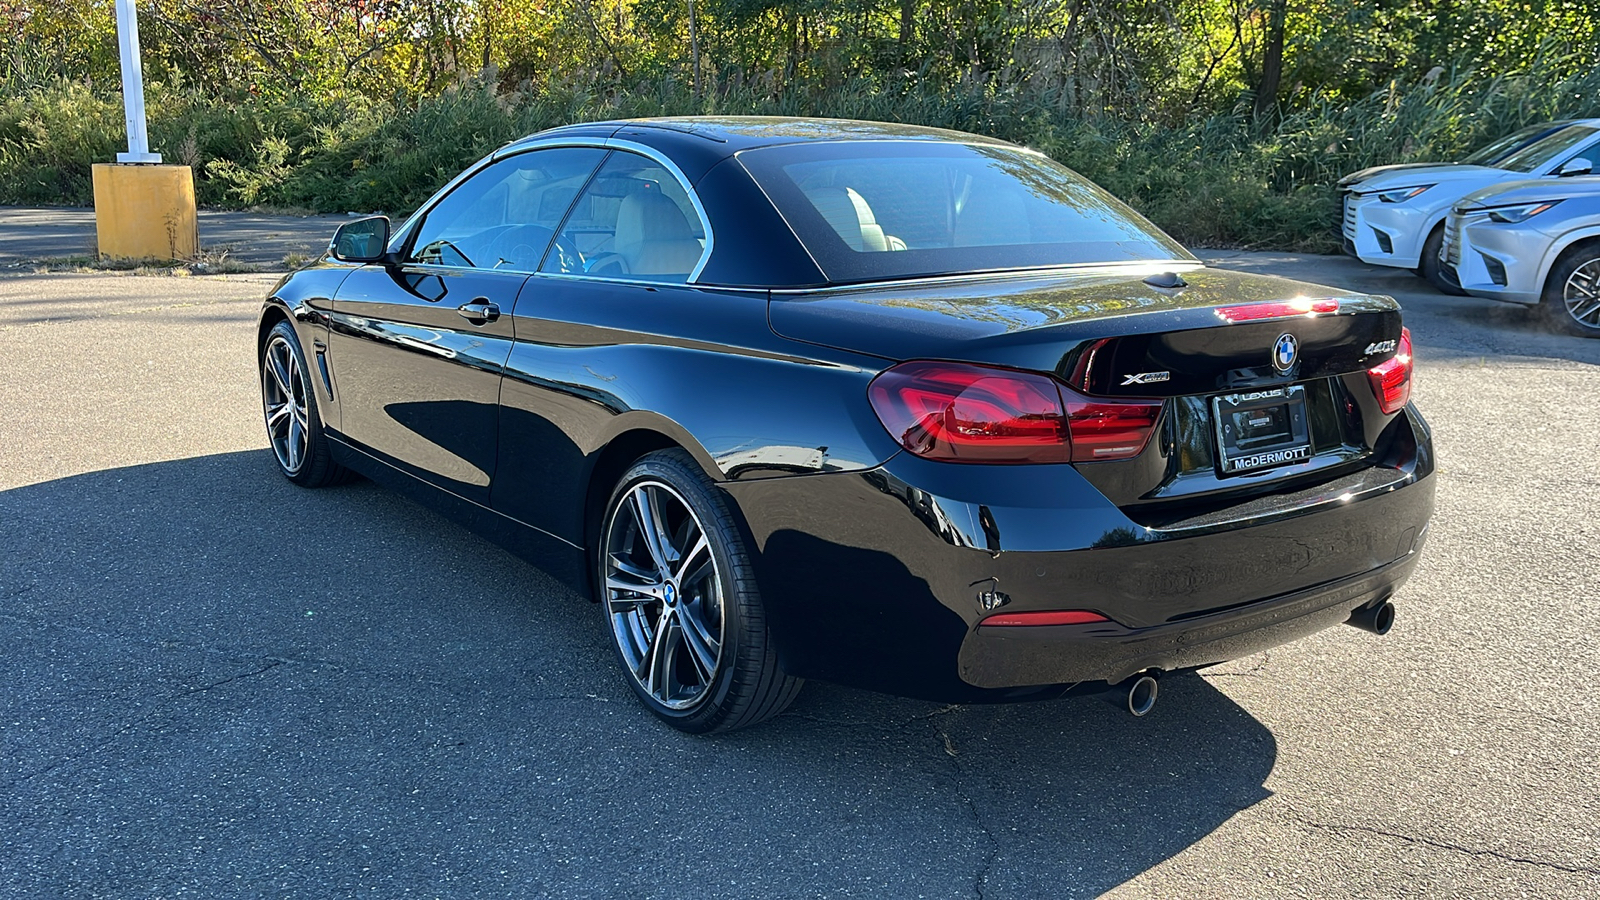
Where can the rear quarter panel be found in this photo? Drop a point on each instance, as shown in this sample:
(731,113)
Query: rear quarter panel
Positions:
(595,361)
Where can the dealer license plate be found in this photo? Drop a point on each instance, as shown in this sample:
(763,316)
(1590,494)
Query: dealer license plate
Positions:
(1261,429)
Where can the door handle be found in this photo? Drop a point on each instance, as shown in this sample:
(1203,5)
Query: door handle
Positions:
(479,311)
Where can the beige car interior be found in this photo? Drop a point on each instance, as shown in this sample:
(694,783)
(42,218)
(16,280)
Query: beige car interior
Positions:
(850,216)
(654,237)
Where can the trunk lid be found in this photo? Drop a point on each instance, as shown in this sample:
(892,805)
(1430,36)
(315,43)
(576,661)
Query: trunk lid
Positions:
(1096,328)
(1207,348)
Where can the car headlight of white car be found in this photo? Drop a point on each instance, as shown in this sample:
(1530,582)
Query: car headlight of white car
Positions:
(1521,212)
(1401,195)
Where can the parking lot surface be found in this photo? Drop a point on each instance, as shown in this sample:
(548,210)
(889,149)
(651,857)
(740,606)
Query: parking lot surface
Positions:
(255,239)
(216,684)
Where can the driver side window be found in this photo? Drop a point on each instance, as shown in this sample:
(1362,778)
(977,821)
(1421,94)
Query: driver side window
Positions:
(503,217)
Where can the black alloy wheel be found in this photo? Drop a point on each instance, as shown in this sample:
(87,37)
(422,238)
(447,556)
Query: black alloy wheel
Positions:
(294,427)
(680,598)
(1572,293)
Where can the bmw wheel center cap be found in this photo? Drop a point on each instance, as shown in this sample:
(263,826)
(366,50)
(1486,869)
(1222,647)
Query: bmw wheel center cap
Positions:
(1286,352)
(670,594)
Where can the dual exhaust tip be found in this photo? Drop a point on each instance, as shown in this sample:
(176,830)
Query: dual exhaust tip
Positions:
(1138,694)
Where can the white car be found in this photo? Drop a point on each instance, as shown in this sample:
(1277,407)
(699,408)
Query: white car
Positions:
(1396,217)
(1487,155)
(1535,242)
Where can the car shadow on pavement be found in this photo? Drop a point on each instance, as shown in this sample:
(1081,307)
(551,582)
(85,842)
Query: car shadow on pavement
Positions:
(218,681)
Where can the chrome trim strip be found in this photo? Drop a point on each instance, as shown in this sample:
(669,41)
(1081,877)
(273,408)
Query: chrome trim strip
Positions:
(1157,265)
(639,282)
(688,189)
(602,143)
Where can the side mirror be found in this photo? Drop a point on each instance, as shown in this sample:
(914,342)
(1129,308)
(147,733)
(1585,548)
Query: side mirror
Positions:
(362,240)
(1578,166)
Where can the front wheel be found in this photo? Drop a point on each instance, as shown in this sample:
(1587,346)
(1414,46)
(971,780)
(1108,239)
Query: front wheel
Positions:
(1572,293)
(294,425)
(680,597)
(1433,268)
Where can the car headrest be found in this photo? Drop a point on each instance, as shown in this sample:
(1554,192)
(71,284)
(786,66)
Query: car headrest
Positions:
(649,216)
(848,214)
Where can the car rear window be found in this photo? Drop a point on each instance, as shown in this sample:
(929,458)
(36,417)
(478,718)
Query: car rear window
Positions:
(874,210)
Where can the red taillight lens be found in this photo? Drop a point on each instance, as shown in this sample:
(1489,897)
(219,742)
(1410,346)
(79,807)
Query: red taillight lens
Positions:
(1109,429)
(956,412)
(962,413)
(1282,309)
(1051,617)
(1391,379)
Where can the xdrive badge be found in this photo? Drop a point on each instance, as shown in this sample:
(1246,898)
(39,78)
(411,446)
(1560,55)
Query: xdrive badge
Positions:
(1146,378)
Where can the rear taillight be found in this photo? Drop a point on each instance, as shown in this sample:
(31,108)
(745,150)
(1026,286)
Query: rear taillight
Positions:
(1391,379)
(1109,429)
(957,412)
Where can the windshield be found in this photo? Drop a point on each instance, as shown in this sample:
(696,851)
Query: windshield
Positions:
(1494,151)
(873,210)
(1542,152)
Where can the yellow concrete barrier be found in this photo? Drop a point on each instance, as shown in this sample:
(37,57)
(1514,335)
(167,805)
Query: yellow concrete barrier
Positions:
(145,212)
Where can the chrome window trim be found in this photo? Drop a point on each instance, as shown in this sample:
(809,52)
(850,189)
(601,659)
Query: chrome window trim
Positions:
(650,153)
(639,282)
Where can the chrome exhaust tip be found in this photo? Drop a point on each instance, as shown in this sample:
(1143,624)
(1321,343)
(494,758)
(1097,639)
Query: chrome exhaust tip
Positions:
(1136,696)
(1376,619)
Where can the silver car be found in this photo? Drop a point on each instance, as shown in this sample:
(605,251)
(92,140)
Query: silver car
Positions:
(1396,217)
(1535,242)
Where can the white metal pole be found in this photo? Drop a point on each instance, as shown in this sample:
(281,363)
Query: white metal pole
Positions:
(133,87)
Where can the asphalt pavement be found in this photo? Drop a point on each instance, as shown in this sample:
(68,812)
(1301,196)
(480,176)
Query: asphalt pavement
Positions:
(258,240)
(216,684)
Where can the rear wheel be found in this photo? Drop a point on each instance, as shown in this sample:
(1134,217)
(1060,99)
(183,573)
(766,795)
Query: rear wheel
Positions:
(1433,268)
(1572,293)
(294,424)
(681,601)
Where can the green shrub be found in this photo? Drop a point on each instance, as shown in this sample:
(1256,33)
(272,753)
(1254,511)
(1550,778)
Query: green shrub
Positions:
(1212,181)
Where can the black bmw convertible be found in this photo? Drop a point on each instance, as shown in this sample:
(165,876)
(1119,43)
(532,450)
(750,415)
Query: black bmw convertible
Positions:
(906,409)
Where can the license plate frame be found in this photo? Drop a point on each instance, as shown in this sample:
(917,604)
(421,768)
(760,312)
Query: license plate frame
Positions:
(1261,429)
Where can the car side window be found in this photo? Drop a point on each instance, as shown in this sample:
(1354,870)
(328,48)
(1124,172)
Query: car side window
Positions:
(634,220)
(504,216)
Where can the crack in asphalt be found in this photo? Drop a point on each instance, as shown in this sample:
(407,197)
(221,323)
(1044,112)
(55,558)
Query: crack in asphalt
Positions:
(230,652)
(1457,848)
(980,879)
(142,720)
(834,723)
(271,664)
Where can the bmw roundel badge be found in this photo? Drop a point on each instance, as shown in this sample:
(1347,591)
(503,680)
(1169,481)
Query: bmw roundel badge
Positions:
(1286,352)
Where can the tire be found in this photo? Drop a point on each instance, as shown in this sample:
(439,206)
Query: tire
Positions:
(289,408)
(686,619)
(1434,270)
(1571,301)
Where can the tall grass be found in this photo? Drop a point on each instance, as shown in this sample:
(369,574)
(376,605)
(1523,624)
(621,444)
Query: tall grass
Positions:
(1219,180)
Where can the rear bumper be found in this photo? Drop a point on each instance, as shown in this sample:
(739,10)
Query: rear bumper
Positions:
(881,579)
(1060,654)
